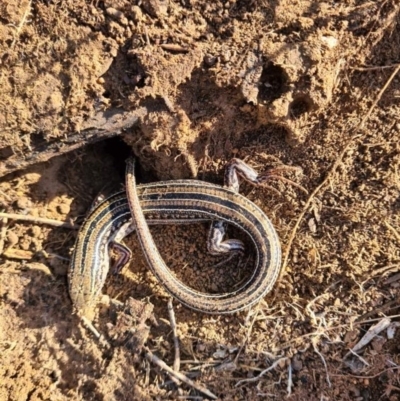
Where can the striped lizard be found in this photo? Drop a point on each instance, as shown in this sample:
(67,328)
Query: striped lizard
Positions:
(175,202)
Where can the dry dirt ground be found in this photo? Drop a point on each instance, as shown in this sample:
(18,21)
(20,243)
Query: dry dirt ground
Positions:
(298,82)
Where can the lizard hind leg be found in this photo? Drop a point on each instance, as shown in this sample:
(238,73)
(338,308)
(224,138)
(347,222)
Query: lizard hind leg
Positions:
(216,244)
(124,254)
(123,258)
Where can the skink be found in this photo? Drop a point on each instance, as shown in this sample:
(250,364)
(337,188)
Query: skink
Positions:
(175,202)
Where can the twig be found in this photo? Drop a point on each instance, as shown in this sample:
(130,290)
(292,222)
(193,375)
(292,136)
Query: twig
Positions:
(339,326)
(177,360)
(382,270)
(392,230)
(174,48)
(253,379)
(39,220)
(16,36)
(310,199)
(385,24)
(290,381)
(369,377)
(105,124)
(161,364)
(256,310)
(324,362)
(381,92)
(357,356)
(3,232)
(392,279)
(375,67)
(89,325)
(372,332)
(331,171)
(8,198)
(394,304)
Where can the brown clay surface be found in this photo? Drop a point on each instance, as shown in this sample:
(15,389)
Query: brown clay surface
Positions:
(296,82)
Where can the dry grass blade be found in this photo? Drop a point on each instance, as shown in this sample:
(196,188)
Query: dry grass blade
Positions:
(375,67)
(332,171)
(381,92)
(152,358)
(177,359)
(21,24)
(39,220)
(254,379)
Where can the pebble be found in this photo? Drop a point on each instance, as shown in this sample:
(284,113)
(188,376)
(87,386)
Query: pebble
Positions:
(297,364)
(137,13)
(201,347)
(209,60)
(155,8)
(23,203)
(36,231)
(12,238)
(25,243)
(117,15)
(63,208)
(226,56)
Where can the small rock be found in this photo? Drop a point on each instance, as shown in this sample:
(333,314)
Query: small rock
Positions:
(297,364)
(23,203)
(200,347)
(155,7)
(329,41)
(226,56)
(63,208)
(209,60)
(220,354)
(18,254)
(25,243)
(12,239)
(36,231)
(117,15)
(229,366)
(137,14)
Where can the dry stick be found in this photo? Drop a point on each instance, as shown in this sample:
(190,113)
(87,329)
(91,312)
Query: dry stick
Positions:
(374,67)
(253,379)
(28,9)
(331,171)
(152,358)
(392,230)
(308,203)
(177,360)
(325,365)
(290,381)
(104,124)
(383,270)
(256,311)
(369,377)
(394,304)
(392,279)
(320,333)
(358,356)
(39,220)
(379,95)
(3,232)
(386,23)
